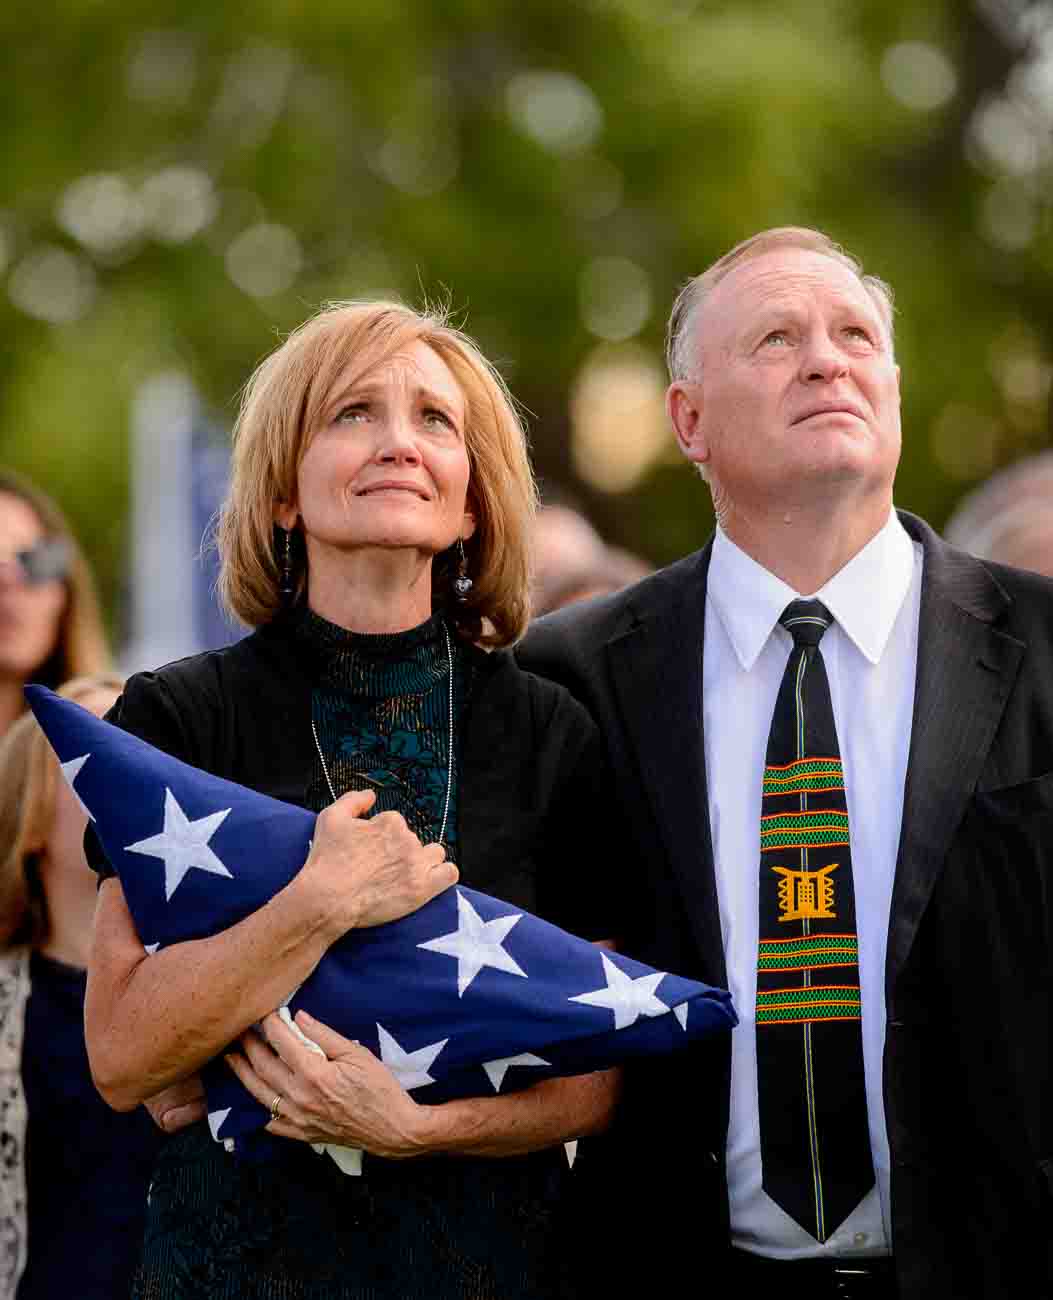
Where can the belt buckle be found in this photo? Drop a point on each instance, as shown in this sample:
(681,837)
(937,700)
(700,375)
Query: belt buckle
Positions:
(852,1280)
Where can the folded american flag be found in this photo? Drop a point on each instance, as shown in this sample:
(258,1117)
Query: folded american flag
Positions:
(466,997)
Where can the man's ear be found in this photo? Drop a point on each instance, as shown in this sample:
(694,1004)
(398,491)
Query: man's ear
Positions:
(683,404)
(286,515)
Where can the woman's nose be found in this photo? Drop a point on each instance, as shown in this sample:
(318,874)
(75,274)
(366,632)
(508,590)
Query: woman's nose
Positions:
(398,442)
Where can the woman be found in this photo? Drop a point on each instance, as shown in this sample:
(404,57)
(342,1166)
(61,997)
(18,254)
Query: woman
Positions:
(50,626)
(72,1212)
(376,536)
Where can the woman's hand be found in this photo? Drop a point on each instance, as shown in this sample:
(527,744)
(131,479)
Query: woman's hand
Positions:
(369,872)
(342,1095)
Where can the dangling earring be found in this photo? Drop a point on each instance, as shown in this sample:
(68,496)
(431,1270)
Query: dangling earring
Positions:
(286,587)
(462,584)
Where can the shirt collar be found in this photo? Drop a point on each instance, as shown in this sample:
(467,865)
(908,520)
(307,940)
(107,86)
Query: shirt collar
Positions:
(864,597)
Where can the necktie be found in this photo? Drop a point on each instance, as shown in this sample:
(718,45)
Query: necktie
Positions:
(815,1144)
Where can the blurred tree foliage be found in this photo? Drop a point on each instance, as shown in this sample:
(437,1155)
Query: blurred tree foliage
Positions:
(186,180)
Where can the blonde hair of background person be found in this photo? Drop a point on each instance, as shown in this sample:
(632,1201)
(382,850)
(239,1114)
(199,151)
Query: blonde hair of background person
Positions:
(79,645)
(283,402)
(47,901)
(29,782)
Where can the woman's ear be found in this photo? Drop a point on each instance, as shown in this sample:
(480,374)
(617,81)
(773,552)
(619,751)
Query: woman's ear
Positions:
(468,520)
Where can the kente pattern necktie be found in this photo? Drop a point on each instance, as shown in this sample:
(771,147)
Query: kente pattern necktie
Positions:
(815,1144)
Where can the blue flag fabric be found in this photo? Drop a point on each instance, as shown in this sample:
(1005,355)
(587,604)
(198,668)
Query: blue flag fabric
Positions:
(466,997)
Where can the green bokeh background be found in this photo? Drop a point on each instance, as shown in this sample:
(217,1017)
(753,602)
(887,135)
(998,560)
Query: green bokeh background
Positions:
(392,140)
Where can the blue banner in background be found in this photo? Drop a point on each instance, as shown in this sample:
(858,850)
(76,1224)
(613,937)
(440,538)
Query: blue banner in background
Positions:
(209,478)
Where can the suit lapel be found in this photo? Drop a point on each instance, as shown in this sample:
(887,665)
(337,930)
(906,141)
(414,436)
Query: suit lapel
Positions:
(966,669)
(656,668)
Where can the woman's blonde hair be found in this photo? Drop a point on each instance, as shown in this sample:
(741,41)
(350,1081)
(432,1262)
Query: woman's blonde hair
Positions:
(81,646)
(28,775)
(284,403)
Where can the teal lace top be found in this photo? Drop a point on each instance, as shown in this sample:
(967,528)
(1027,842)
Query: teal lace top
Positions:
(381,713)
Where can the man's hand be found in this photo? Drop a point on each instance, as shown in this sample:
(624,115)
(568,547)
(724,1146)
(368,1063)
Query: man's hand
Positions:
(178,1106)
(369,872)
(345,1097)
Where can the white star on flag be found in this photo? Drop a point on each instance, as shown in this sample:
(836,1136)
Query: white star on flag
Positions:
(215,1121)
(496,1070)
(71,771)
(410,1068)
(476,943)
(680,1011)
(629,999)
(183,844)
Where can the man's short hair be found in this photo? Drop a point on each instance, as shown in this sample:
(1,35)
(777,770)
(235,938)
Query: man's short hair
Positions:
(683,360)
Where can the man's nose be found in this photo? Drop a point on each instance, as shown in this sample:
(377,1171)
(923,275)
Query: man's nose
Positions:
(823,361)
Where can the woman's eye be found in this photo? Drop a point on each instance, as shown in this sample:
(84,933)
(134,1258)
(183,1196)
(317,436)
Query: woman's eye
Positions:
(439,419)
(353,413)
(776,337)
(858,334)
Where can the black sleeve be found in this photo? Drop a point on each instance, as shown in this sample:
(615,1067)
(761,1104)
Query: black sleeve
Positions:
(147,709)
(584,866)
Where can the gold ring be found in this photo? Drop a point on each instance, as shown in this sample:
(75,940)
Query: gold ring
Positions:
(275,1104)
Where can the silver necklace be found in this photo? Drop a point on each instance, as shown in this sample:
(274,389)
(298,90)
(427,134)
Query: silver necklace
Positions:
(449,749)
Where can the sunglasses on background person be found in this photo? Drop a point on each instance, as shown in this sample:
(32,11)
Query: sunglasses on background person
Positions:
(45,561)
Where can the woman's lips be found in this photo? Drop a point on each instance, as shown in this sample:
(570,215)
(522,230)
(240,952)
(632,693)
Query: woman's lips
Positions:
(410,489)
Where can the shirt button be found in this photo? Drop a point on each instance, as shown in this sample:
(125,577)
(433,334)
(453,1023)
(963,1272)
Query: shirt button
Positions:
(860,1239)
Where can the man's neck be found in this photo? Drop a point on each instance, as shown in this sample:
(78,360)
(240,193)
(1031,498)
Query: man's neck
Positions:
(804,547)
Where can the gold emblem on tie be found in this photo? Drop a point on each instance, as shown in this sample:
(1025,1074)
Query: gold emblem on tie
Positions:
(806,895)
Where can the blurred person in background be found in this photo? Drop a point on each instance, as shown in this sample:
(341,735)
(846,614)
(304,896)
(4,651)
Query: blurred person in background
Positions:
(571,561)
(74,1174)
(50,626)
(376,536)
(1009,517)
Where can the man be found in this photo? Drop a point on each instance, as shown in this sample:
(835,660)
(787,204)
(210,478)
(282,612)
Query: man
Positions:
(846,817)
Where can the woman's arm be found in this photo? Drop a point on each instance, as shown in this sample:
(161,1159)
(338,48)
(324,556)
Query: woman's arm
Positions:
(151,1020)
(349,1098)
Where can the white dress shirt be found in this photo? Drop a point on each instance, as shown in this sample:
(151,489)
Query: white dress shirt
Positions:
(870,653)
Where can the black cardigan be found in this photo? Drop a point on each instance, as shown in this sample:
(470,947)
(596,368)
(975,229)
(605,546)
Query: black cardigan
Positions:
(535,823)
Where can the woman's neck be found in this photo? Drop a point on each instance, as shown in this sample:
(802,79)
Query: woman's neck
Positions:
(379,590)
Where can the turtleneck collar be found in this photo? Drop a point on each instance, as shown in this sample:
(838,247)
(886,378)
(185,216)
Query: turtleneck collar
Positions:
(373,665)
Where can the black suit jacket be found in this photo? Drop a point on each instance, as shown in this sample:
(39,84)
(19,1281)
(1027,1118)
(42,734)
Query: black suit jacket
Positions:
(968,976)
